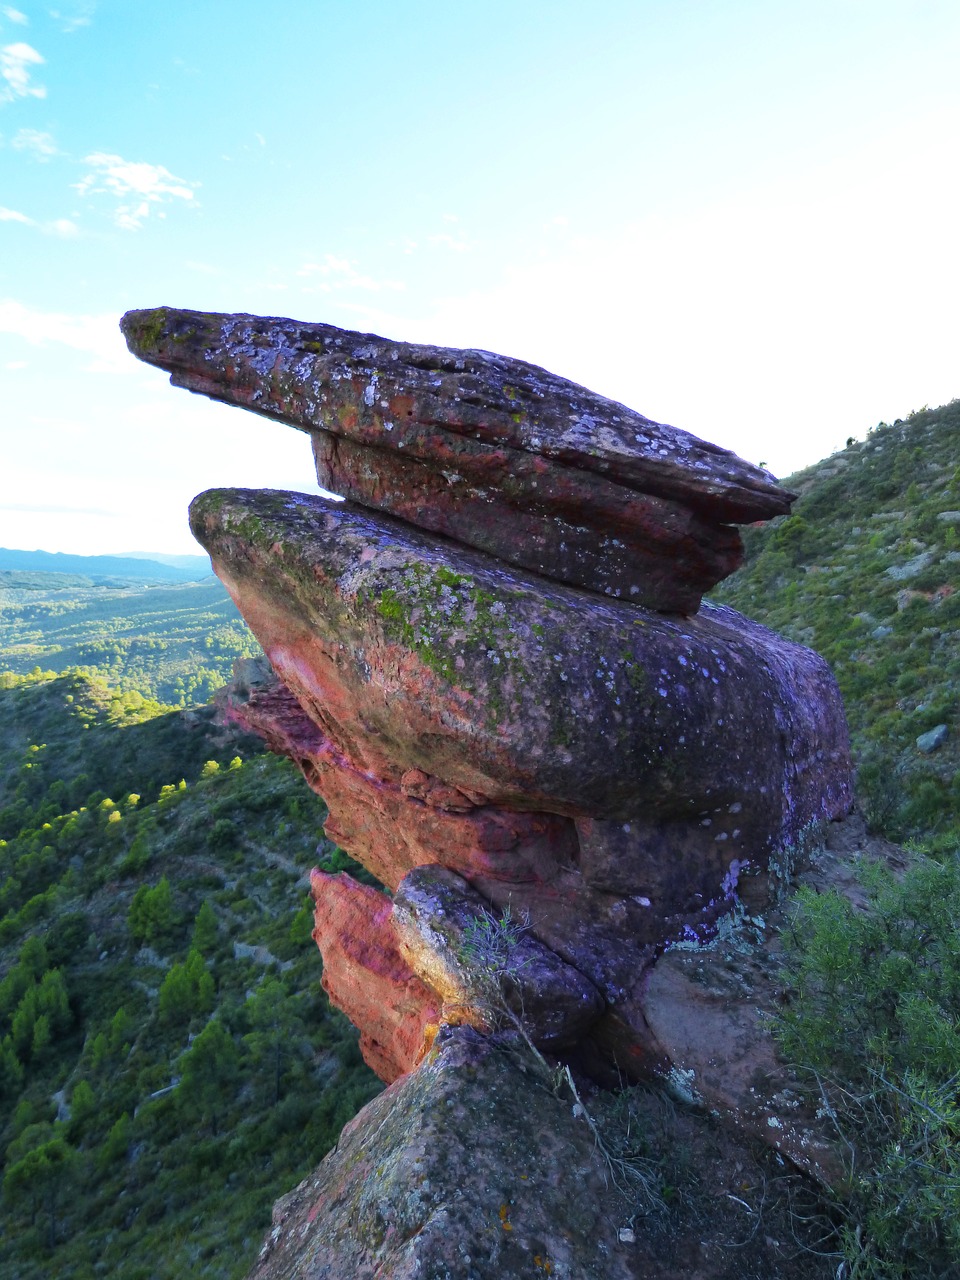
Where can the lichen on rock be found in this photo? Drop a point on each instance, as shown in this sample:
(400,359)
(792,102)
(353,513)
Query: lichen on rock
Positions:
(493,663)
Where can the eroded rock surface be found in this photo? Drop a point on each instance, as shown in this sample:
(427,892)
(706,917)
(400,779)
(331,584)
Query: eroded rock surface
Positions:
(568,774)
(428,662)
(467,1168)
(366,974)
(494,452)
(426,692)
(474,1168)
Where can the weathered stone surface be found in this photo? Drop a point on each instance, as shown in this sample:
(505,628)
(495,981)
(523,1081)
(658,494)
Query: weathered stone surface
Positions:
(493,452)
(468,1168)
(705,1011)
(711,739)
(393,826)
(399,968)
(474,959)
(523,862)
(494,688)
(617,775)
(472,1169)
(933,740)
(366,975)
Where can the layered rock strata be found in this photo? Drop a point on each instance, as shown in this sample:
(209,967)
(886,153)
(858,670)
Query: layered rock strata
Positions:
(494,452)
(559,765)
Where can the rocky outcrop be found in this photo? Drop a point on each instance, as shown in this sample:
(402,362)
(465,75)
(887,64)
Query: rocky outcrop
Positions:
(611,772)
(473,1168)
(494,452)
(565,771)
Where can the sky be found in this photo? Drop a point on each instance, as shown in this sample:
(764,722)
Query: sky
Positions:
(736,216)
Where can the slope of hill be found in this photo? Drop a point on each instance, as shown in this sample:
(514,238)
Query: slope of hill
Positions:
(168,1061)
(174,643)
(866,570)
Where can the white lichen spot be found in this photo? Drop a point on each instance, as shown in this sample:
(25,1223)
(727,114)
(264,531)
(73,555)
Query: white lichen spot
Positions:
(679,1082)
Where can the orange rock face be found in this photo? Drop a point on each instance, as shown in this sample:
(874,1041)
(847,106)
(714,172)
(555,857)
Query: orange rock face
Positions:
(365,975)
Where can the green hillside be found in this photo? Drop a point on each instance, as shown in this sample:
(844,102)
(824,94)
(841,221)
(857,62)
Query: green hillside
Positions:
(176,644)
(866,570)
(168,1061)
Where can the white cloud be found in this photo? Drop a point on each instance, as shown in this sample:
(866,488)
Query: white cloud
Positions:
(11,215)
(457,244)
(79,15)
(61,227)
(14,15)
(15,63)
(41,145)
(97,336)
(136,184)
(333,273)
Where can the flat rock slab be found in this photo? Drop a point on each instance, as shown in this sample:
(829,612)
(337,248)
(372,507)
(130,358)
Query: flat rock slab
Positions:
(494,452)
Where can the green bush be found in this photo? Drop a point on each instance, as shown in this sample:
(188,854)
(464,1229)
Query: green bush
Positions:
(875,1024)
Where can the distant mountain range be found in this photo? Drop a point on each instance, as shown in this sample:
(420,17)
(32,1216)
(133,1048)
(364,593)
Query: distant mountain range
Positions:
(124,567)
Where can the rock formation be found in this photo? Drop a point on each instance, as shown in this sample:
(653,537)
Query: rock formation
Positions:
(493,663)
(493,452)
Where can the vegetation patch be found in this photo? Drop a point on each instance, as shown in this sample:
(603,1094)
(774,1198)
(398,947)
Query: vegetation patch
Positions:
(874,1024)
(866,570)
(169,1064)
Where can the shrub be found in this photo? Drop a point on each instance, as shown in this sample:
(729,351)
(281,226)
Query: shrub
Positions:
(875,1021)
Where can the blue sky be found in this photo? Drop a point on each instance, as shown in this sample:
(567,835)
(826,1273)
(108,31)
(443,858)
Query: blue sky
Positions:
(739,217)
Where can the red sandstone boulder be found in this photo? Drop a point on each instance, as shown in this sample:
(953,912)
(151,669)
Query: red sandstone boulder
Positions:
(469,1167)
(682,750)
(491,451)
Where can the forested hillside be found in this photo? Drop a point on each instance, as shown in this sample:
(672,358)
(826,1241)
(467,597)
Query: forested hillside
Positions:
(175,643)
(866,570)
(168,1061)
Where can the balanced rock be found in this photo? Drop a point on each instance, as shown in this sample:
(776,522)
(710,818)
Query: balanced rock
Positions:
(614,776)
(493,664)
(675,747)
(493,452)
